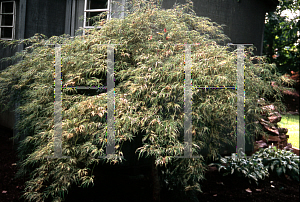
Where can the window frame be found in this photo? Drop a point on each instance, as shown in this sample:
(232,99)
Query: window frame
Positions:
(95,10)
(13,22)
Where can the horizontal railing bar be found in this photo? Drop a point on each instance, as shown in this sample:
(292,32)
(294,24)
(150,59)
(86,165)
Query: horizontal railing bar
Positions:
(103,87)
(214,87)
(96,10)
(86,87)
(245,44)
(236,157)
(91,27)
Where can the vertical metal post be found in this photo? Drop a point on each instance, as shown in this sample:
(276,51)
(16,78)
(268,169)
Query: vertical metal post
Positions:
(110,149)
(187,103)
(123,9)
(84,16)
(240,100)
(57,104)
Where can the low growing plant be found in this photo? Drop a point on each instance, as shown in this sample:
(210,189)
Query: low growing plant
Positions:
(261,164)
(279,161)
(252,169)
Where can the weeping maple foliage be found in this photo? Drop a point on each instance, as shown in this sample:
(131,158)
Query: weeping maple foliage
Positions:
(149,97)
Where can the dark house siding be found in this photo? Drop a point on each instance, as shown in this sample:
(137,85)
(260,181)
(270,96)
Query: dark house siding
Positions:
(45,17)
(243,20)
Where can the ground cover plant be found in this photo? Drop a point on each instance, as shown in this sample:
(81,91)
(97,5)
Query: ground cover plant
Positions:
(262,164)
(279,161)
(149,98)
(251,169)
(291,122)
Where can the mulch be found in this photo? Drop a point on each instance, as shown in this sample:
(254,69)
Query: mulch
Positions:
(10,188)
(229,188)
(215,188)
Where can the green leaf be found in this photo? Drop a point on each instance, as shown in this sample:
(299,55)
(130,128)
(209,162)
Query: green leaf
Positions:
(279,171)
(223,160)
(222,167)
(253,177)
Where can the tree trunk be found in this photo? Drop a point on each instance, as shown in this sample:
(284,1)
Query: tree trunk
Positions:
(155,182)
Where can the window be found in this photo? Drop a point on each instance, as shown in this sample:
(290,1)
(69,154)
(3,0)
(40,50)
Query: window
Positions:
(93,8)
(7,20)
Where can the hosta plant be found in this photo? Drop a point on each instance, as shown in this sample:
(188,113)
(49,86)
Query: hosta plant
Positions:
(251,169)
(279,161)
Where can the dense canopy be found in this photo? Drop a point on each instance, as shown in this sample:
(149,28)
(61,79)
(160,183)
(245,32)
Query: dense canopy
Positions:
(149,96)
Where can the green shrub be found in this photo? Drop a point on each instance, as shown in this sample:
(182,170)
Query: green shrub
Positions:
(279,161)
(261,164)
(252,169)
(149,77)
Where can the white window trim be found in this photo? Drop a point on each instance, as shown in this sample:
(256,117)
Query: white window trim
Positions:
(95,10)
(13,23)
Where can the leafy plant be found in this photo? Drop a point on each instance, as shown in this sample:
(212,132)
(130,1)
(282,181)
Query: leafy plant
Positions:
(261,164)
(281,41)
(279,161)
(149,86)
(252,169)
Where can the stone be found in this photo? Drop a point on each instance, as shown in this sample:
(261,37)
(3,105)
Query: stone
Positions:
(268,108)
(274,117)
(294,113)
(277,136)
(273,138)
(283,130)
(272,130)
(283,144)
(261,144)
(283,136)
(288,147)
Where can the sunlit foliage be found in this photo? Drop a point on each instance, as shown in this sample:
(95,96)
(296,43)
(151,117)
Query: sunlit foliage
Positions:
(149,97)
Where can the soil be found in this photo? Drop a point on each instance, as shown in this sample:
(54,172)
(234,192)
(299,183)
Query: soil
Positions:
(219,188)
(10,188)
(215,188)
(117,186)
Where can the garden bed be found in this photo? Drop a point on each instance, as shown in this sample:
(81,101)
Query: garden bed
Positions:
(122,187)
(229,188)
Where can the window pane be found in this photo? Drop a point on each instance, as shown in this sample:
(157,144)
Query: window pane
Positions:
(6,32)
(7,7)
(90,22)
(96,4)
(7,20)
